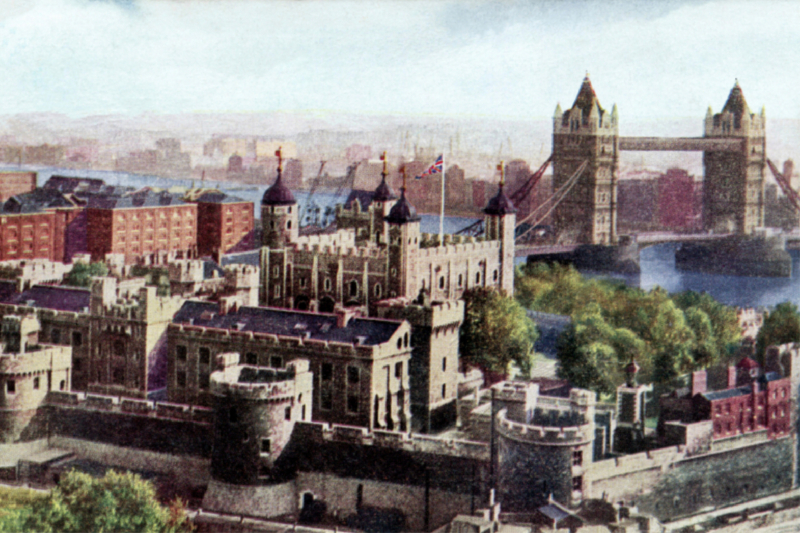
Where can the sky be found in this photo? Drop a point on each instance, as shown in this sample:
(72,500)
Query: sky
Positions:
(464,59)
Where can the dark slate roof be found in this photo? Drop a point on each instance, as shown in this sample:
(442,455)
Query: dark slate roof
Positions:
(140,198)
(209,267)
(384,193)
(361,196)
(7,289)
(278,194)
(500,204)
(49,297)
(727,393)
(286,322)
(66,184)
(554,512)
(216,197)
(36,201)
(252,257)
(402,212)
(770,376)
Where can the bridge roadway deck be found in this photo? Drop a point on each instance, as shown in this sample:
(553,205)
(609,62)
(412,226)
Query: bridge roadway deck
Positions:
(680,144)
(642,239)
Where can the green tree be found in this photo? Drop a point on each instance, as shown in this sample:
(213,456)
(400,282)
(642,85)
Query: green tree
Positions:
(117,502)
(781,325)
(82,273)
(496,332)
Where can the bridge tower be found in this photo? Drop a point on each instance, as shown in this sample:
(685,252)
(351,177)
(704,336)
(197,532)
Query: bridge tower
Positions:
(586,132)
(733,188)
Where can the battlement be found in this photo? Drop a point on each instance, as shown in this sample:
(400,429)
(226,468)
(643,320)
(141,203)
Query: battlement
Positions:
(544,435)
(438,314)
(98,402)
(36,358)
(342,251)
(342,237)
(258,383)
(458,249)
(323,432)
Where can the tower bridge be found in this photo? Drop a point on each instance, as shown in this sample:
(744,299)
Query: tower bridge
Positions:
(584,208)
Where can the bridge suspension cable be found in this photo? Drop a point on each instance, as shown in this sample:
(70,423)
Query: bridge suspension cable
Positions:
(785,185)
(556,199)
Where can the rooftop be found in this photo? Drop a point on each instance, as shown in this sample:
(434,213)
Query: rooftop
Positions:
(74,300)
(323,327)
(141,198)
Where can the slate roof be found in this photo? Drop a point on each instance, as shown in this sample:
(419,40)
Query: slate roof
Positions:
(36,201)
(728,393)
(361,196)
(48,297)
(66,184)
(216,197)
(288,323)
(141,198)
(251,257)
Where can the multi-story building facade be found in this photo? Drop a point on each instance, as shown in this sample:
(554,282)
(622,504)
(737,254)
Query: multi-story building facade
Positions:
(14,183)
(144,227)
(360,365)
(224,224)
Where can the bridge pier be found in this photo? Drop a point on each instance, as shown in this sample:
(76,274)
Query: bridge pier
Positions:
(738,255)
(620,258)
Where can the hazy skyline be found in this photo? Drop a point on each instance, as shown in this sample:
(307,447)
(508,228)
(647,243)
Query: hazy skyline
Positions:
(510,59)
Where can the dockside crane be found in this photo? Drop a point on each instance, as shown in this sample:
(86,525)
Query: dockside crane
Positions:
(785,185)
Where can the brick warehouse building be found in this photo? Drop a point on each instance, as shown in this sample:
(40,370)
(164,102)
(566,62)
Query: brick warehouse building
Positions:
(224,223)
(145,225)
(39,224)
(13,183)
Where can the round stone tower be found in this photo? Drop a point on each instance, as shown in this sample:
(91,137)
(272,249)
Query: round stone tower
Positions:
(255,409)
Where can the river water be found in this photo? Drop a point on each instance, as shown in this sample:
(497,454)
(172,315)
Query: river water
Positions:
(657,262)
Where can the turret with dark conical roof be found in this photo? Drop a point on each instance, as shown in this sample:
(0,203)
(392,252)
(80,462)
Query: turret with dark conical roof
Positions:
(384,193)
(402,212)
(279,219)
(278,194)
(499,225)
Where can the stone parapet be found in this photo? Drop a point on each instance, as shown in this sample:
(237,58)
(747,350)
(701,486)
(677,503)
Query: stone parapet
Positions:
(543,435)
(98,402)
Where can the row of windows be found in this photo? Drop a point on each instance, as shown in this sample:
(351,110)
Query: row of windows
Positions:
(11,385)
(187,214)
(76,338)
(204,357)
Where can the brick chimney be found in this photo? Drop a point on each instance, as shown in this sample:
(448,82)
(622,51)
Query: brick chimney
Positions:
(699,382)
(731,377)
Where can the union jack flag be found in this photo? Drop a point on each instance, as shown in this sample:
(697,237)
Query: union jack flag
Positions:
(435,168)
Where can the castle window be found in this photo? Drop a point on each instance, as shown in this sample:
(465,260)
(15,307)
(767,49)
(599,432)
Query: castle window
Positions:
(11,386)
(266,445)
(180,352)
(326,399)
(180,379)
(354,288)
(441,282)
(577,458)
(204,380)
(352,403)
(399,343)
(119,348)
(287,413)
(55,336)
(77,339)
(394,272)
(276,361)
(378,290)
(205,356)
(353,375)
(327,371)
(577,483)
(251,359)
(302,412)
(272,224)
(118,376)
(276,272)
(477,277)
(62,385)
(302,282)
(444,391)
(460,280)
(36,383)
(289,224)
(444,364)
(276,291)
(327,284)
(494,275)
(405,340)
(398,370)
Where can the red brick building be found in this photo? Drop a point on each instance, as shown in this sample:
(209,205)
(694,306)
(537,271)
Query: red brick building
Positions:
(224,224)
(753,401)
(34,225)
(144,226)
(13,183)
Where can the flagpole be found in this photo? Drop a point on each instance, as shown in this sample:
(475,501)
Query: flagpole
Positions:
(441,212)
